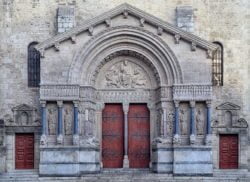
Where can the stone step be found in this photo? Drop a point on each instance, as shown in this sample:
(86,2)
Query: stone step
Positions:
(118,177)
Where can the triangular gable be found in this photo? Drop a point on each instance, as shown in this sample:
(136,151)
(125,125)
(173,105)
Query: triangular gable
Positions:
(127,10)
(23,107)
(228,106)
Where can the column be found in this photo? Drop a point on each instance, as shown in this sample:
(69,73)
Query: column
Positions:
(208,126)
(192,122)
(75,127)
(75,130)
(44,119)
(176,118)
(44,124)
(125,159)
(60,123)
(176,123)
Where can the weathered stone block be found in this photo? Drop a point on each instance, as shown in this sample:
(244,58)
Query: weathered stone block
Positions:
(193,160)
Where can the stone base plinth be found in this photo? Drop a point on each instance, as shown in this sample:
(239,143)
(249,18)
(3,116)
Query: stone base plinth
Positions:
(162,158)
(193,160)
(68,160)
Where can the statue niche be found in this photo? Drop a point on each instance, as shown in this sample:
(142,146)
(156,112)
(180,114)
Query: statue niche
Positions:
(52,118)
(24,115)
(68,120)
(200,122)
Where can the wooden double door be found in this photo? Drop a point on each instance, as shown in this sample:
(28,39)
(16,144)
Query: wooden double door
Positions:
(229,151)
(24,151)
(113,137)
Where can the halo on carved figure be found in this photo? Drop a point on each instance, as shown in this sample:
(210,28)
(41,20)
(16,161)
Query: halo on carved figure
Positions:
(86,61)
(125,69)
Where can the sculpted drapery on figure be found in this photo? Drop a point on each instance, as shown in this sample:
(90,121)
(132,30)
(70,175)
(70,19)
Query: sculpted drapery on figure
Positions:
(125,74)
(52,119)
(68,120)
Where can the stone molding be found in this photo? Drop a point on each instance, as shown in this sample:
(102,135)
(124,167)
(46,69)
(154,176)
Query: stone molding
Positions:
(59,92)
(55,92)
(23,115)
(192,92)
(127,10)
(120,38)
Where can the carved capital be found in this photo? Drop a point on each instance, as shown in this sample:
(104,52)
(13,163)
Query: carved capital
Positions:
(100,106)
(59,103)
(125,107)
(76,103)
(209,103)
(192,104)
(43,103)
(176,103)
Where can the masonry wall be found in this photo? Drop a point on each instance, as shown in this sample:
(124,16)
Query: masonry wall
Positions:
(25,21)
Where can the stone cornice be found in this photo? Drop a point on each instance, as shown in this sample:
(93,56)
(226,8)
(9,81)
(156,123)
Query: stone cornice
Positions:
(150,19)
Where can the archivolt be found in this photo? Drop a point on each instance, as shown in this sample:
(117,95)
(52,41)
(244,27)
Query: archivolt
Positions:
(88,60)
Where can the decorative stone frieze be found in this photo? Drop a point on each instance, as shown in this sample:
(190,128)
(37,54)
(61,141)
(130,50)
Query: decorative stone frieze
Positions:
(23,115)
(59,92)
(192,92)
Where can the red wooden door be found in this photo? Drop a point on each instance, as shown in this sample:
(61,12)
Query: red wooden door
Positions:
(138,136)
(228,151)
(112,136)
(24,158)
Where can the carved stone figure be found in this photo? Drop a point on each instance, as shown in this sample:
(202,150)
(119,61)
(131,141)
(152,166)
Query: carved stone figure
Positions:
(88,123)
(170,120)
(52,121)
(183,123)
(125,74)
(67,121)
(199,122)
(23,119)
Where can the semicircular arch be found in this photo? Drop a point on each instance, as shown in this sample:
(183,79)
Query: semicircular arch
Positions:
(159,56)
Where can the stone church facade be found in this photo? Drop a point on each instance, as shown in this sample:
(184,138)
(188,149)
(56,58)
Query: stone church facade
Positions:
(113,85)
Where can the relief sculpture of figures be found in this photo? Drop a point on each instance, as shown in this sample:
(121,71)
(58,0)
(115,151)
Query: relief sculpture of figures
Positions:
(199,122)
(125,74)
(170,120)
(52,121)
(183,123)
(67,122)
(88,123)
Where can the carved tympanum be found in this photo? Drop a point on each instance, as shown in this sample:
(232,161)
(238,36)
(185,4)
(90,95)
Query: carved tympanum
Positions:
(125,74)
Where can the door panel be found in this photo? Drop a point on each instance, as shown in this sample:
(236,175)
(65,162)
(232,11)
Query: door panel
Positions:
(138,136)
(228,151)
(112,136)
(24,151)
